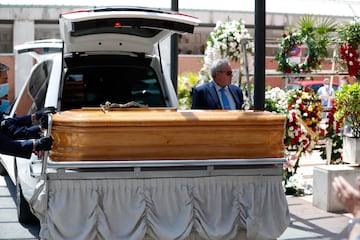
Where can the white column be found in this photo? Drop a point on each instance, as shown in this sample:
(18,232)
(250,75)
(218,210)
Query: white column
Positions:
(24,31)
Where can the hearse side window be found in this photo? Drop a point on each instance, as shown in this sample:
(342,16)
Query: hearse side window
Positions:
(33,98)
(92,87)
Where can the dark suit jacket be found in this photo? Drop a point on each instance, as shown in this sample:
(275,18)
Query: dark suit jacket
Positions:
(15,148)
(20,127)
(14,129)
(205,97)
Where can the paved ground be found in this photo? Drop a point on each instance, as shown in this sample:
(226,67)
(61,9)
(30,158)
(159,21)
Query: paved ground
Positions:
(10,228)
(308,222)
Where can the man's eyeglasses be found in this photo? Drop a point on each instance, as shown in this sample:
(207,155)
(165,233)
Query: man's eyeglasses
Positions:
(229,73)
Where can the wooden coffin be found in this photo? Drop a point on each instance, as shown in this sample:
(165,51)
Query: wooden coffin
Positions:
(162,134)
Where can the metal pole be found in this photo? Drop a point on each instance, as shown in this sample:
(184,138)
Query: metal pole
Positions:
(259,83)
(243,44)
(174,49)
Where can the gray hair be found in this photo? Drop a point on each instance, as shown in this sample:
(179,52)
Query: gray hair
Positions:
(217,66)
(3,67)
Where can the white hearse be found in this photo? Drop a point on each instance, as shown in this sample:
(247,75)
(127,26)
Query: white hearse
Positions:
(126,163)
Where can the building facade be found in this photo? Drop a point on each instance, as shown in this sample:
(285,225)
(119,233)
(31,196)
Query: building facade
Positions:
(23,23)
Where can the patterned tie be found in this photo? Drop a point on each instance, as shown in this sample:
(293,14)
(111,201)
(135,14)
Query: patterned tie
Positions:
(225,100)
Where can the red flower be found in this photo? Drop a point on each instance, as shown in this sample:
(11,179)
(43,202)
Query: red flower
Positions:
(288,70)
(350,55)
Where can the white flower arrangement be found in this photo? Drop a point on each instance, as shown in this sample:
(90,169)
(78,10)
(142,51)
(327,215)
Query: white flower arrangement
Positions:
(228,36)
(276,100)
(225,41)
(296,181)
(297,184)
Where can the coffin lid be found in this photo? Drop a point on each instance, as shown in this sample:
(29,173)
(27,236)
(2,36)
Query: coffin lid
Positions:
(158,116)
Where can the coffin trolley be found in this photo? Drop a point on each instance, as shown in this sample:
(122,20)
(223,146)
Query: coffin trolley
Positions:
(159,173)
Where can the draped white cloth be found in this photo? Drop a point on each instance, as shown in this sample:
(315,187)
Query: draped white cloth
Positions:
(219,207)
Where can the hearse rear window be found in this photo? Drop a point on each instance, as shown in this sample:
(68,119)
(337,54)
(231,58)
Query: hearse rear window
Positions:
(95,86)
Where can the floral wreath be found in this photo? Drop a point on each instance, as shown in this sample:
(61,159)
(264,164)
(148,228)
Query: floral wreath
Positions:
(304,118)
(302,127)
(303,113)
(315,54)
(290,43)
(349,35)
(314,34)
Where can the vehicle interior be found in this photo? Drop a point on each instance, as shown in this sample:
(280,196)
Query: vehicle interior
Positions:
(90,83)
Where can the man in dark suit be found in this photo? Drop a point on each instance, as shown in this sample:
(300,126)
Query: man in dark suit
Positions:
(219,93)
(13,130)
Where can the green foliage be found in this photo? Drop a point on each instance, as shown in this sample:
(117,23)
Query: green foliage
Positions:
(310,24)
(349,33)
(186,82)
(325,25)
(336,146)
(306,24)
(348,107)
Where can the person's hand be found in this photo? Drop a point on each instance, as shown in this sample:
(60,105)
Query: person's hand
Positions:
(44,112)
(347,195)
(44,121)
(43,144)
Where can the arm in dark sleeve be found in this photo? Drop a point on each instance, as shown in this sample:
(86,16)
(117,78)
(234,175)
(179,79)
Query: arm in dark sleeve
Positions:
(15,147)
(21,128)
(25,121)
(21,132)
